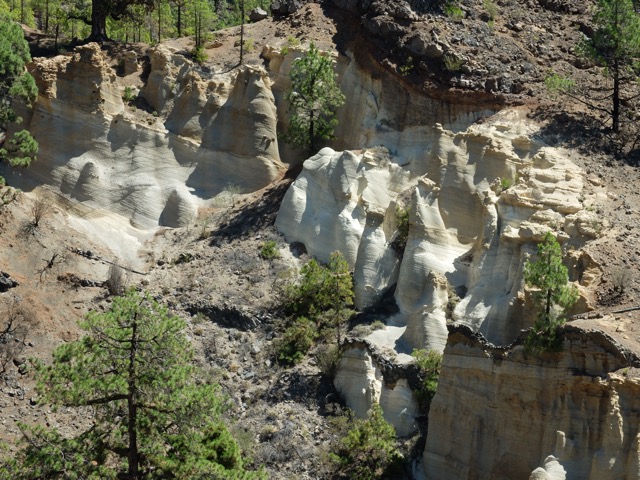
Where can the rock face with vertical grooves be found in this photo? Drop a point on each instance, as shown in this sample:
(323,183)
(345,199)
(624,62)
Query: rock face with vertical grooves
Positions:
(501,414)
(479,201)
(94,149)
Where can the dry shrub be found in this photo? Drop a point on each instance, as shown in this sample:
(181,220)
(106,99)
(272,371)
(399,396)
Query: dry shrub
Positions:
(116,280)
(42,207)
(15,324)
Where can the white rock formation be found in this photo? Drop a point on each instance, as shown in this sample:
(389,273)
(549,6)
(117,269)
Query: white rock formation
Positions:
(379,110)
(480,199)
(361,381)
(501,414)
(218,134)
(465,232)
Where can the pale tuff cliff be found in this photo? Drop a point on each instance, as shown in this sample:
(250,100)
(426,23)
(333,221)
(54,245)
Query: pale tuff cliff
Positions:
(467,233)
(479,200)
(501,414)
(218,133)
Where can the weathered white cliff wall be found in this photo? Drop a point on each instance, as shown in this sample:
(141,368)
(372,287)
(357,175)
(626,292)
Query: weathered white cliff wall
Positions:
(217,133)
(500,414)
(379,110)
(466,233)
(365,378)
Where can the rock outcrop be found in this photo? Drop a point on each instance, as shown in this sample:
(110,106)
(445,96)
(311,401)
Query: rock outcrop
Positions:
(479,201)
(364,378)
(218,133)
(501,414)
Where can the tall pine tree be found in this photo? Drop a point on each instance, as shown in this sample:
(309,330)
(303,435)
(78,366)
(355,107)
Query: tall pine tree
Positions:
(153,419)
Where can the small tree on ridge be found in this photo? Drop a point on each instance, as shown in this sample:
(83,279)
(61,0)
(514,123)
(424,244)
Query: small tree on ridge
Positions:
(313,100)
(549,279)
(616,46)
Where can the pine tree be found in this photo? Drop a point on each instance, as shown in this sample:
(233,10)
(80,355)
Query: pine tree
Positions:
(313,100)
(21,148)
(152,418)
(615,45)
(368,449)
(549,279)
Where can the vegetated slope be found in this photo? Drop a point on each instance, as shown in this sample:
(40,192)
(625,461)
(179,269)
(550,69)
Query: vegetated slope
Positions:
(226,280)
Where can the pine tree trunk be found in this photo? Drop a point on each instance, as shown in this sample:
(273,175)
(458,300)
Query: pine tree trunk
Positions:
(615,114)
(312,142)
(179,21)
(98,22)
(242,32)
(547,310)
(133,457)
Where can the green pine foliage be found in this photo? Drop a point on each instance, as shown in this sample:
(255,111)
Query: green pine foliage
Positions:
(369,448)
(552,294)
(429,363)
(318,304)
(152,418)
(20,148)
(313,100)
(616,46)
(296,341)
(321,288)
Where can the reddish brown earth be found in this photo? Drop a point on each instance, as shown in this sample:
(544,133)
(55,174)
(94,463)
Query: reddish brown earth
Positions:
(280,414)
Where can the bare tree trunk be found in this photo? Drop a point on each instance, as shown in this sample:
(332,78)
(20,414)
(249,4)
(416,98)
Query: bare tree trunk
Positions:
(312,140)
(98,23)
(615,114)
(241,32)
(179,21)
(133,458)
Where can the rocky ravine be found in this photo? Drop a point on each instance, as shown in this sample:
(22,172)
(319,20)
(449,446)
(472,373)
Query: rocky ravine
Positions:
(482,187)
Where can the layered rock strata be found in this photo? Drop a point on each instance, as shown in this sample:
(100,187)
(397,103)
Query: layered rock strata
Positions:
(95,149)
(478,202)
(501,414)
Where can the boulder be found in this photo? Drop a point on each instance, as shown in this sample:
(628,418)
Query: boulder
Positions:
(425,47)
(257,14)
(286,7)
(131,63)
(6,282)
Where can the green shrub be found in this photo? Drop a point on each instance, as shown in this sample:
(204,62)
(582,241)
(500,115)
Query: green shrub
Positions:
(407,68)
(198,55)
(129,95)
(453,10)
(269,250)
(452,63)
(505,184)
(377,325)
(402,228)
(328,358)
(491,8)
(369,448)
(429,364)
(296,341)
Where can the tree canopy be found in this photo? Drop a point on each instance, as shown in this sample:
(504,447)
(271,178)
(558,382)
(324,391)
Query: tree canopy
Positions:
(615,45)
(313,100)
(369,448)
(152,418)
(15,83)
(549,279)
